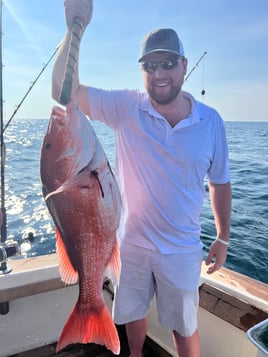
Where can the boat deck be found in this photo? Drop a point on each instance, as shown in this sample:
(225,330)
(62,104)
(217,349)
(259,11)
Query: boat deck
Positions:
(230,304)
(151,349)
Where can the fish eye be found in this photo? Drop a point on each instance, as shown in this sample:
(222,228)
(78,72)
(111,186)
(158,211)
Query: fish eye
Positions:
(48,146)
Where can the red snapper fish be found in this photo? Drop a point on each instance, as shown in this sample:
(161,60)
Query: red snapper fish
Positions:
(83,199)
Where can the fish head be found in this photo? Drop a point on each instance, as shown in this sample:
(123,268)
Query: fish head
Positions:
(68,146)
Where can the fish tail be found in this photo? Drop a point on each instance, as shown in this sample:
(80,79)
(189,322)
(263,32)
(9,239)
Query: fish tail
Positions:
(95,327)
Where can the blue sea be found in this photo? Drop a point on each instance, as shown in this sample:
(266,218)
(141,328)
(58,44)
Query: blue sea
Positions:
(248,146)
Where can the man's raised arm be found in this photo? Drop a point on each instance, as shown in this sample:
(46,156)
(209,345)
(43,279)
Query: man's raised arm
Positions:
(78,14)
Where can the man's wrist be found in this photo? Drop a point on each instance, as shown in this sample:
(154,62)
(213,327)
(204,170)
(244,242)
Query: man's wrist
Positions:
(222,241)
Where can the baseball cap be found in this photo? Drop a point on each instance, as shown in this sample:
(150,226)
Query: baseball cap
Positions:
(164,40)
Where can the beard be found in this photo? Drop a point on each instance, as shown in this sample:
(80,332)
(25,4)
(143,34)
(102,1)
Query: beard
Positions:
(164,98)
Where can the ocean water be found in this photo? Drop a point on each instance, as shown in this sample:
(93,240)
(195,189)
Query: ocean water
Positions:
(248,147)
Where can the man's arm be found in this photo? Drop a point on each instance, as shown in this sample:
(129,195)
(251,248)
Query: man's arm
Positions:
(221,202)
(83,10)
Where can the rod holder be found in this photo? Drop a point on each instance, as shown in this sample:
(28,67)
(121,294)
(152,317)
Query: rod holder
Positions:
(4,308)
(7,249)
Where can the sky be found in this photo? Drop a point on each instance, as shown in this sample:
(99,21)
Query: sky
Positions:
(234,33)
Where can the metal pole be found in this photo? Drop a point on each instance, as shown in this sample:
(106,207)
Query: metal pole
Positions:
(3,210)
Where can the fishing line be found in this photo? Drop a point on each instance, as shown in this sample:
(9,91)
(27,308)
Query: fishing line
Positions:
(203,92)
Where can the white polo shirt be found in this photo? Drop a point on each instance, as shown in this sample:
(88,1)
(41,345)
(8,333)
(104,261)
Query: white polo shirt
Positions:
(160,169)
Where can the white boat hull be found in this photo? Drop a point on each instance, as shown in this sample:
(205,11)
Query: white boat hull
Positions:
(39,305)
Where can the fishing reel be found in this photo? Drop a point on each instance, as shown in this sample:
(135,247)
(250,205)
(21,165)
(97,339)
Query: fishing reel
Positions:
(7,249)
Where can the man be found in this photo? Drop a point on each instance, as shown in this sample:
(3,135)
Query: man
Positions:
(166,144)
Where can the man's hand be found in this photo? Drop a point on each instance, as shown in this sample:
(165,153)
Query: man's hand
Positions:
(78,8)
(216,256)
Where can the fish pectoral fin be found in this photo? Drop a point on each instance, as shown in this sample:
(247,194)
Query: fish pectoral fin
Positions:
(113,267)
(67,272)
(60,189)
(90,326)
(67,185)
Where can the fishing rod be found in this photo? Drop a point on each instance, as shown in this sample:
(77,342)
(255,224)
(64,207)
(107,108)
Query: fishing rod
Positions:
(31,86)
(3,128)
(194,67)
(9,249)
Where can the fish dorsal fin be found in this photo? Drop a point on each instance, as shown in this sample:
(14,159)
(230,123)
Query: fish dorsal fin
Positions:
(67,272)
(113,268)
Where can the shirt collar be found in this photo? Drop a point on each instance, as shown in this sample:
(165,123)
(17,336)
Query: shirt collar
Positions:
(192,119)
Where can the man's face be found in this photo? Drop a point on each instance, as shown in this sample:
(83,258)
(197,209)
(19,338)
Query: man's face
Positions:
(163,76)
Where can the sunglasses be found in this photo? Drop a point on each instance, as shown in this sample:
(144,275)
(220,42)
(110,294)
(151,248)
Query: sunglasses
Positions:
(166,65)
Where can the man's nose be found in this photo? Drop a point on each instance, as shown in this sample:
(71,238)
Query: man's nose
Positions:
(158,73)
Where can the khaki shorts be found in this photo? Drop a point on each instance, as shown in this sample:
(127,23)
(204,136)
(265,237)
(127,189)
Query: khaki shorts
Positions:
(173,278)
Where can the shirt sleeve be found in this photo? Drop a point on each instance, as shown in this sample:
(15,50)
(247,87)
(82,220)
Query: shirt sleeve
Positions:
(112,106)
(219,172)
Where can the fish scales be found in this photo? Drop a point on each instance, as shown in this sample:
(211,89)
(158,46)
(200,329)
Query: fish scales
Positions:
(83,199)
